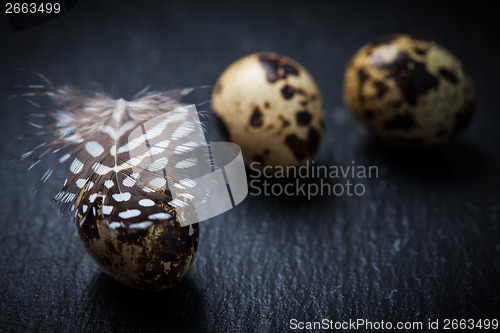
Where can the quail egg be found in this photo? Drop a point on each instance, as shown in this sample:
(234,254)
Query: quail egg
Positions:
(410,92)
(271,107)
(149,259)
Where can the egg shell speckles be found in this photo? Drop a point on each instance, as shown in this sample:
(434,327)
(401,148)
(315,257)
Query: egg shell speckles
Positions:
(410,92)
(152,259)
(271,107)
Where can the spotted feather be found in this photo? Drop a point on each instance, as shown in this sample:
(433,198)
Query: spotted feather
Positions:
(104,140)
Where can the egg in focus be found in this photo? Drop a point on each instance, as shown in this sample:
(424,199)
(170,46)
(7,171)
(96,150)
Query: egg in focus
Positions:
(151,259)
(409,92)
(272,108)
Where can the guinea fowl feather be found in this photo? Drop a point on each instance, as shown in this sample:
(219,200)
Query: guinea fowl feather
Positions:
(100,137)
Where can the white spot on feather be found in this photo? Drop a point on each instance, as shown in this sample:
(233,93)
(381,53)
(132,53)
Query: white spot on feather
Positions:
(109,183)
(150,134)
(155,150)
(125,196)
(33,164)
(156,130)
(141,225)
(74,138)
(187,182)
(106,210)
(46,176)
(123,148)
(69,197)
(187,163)
(129,213)
(94,148)
(114,225)
(158,182)
(159,216)
(187,196)
(186,147)
(110,131)
(101,169)
(64,158)
(92,197)
(81,182)
(158,164)
(125,127)
(179,186)
(184,129)
(146,203)
(177,203)
(23,156)
(76,166)
(129,181)
(162,144)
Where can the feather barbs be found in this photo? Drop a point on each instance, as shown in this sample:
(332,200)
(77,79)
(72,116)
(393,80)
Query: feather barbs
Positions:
(109,144)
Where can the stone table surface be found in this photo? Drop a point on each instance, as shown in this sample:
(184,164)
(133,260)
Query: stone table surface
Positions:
(422,243)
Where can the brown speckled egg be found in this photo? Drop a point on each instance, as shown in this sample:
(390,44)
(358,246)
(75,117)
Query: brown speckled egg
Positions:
(152,259)
(271,107)
(410,92)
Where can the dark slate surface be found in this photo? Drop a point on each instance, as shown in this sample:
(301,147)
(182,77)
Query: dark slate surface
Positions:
(422,243)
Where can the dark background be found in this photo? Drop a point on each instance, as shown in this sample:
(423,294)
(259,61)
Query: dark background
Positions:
(422,243)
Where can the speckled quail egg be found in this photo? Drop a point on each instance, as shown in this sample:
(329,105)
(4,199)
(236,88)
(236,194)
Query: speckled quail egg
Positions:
(152,259)
(271,107)
(408,91)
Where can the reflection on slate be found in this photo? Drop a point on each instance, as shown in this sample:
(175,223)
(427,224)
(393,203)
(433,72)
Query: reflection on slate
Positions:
(422,243)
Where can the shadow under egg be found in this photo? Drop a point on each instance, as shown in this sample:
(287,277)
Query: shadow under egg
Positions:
(456,161)
(179,308)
